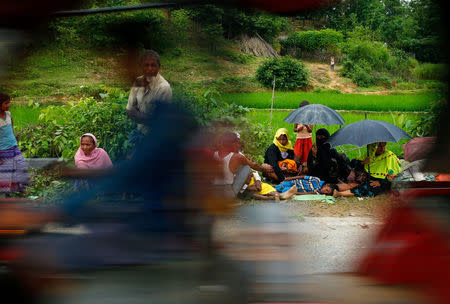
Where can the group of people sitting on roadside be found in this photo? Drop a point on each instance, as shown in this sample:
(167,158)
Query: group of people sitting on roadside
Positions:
(307,167)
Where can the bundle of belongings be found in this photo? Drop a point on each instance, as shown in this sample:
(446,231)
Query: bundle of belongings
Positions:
(415,153)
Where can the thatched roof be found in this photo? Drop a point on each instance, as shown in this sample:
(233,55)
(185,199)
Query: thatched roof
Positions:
(256,46)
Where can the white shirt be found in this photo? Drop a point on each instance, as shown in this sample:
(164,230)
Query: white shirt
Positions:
(142,96)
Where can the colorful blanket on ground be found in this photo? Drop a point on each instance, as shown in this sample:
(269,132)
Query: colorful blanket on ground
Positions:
(305,184)
(13,171)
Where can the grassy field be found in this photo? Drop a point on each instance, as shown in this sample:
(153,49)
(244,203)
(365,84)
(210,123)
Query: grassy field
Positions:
(290,100)
(46,74)
(263,117)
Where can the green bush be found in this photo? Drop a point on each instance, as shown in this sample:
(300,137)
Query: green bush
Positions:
(383,79)
(60,127)
(401,64)
(431,71)
(362,77)
(326,41)
(290,74)
(256,137)
(373,52)
(371,62)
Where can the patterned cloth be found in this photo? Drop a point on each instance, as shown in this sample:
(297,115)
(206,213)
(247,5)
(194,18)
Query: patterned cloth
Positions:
(13,171)
(306,184)
(365,189)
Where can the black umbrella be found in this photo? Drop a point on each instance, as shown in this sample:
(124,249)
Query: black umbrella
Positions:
(366,132)
(315,114)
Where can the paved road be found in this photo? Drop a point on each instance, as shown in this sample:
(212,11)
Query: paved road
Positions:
(323,244)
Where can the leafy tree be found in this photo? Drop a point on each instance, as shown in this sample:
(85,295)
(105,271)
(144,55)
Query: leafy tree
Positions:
(231,22)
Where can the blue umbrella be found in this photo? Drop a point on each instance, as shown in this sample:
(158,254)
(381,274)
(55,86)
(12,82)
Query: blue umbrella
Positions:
(315,114)
(364,132)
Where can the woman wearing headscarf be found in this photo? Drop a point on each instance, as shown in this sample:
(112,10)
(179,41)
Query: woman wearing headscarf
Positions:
(281,149)
(382,165)
(89,156)
(322,159)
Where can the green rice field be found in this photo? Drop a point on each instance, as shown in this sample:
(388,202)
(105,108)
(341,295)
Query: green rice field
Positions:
(358,102)
(263,117)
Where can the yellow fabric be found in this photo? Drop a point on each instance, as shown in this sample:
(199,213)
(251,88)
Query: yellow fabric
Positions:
(265,188)
(288,146)
(384,165)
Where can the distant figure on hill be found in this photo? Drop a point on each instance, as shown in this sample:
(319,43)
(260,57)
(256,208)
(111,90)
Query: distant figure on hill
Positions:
(147,89)
(332,63)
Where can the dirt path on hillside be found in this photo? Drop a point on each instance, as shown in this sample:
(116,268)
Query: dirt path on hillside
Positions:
(323,77)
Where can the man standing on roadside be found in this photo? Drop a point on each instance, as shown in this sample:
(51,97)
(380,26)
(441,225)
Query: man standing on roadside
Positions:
(146,90)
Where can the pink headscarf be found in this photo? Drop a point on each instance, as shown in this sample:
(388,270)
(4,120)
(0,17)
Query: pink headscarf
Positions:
(98,159)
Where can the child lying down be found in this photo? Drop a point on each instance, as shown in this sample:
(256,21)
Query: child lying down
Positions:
(288,188)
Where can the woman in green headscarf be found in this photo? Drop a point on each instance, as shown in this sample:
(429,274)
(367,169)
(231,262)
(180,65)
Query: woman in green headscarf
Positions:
(382,165)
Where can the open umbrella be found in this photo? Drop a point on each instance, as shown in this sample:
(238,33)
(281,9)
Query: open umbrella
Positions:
(315,114)
(366,132)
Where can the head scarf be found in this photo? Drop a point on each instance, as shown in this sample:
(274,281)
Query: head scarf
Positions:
(288,146)
(98,159)
(321,142)
(320,166)
(384,165)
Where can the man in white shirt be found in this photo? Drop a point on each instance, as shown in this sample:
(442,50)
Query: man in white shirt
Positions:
(147,89)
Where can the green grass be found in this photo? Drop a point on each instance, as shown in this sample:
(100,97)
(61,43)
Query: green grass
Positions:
(24,115)
(290,100)
(49,73)
(263,117)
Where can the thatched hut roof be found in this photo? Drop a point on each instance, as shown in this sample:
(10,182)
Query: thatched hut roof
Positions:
(256,46)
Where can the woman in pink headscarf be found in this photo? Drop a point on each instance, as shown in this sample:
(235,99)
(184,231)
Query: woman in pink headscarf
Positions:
(89,156)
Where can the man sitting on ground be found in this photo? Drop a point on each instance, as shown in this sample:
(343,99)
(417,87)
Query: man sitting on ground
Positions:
(228,153)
